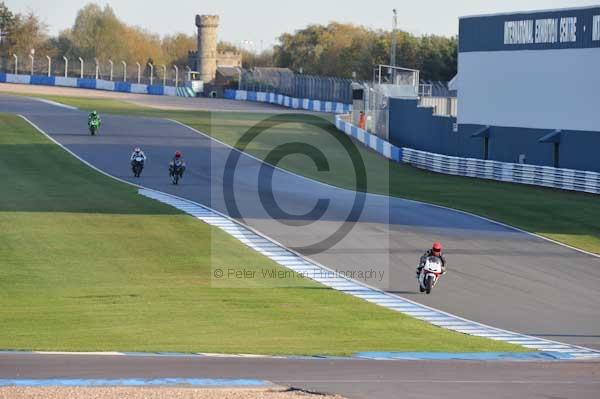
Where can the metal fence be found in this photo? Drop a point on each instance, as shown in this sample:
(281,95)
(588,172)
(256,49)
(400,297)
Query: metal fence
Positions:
(425,90)
(297,85)
(435,88)
(388,82)
(89,69)
(442,106)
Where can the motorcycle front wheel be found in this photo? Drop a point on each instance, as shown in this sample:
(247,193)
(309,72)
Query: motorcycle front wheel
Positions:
(428,284)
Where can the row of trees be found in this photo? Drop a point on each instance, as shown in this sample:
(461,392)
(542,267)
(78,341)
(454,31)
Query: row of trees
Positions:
(343,49)
(96,33)
(19,33)
(334,50)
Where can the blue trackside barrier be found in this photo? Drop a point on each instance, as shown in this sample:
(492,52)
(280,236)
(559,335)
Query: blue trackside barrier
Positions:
(156,90)
(289,102)
(252,96)
(86,83)
(123,87)
(545,176)
(229,94)
(42,80)
(96,84)
(19,79)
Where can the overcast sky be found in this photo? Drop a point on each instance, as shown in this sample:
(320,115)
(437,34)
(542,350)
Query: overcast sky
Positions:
(263,21)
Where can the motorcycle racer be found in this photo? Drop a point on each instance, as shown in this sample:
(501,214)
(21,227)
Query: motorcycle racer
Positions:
(178,158)
(94,116)
(436,251)
(137,152)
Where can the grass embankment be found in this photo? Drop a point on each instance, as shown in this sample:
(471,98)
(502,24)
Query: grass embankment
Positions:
(569,217)
(87,264)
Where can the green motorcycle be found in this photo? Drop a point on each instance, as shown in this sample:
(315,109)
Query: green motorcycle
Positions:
(94,125)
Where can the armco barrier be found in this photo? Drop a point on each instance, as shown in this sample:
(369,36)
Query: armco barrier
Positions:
(289,102)
(96,84)
(566,179)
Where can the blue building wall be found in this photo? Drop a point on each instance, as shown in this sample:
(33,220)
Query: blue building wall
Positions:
(580,150)
(507,144)
(415,127)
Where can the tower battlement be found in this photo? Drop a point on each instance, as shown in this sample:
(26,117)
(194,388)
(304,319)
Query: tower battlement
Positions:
(208,21)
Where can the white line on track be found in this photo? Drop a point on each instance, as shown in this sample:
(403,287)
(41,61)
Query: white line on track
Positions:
(401,381)
(50,102)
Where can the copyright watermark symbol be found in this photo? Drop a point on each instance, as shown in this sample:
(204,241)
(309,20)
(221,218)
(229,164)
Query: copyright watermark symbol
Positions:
(218,273)
(266,185)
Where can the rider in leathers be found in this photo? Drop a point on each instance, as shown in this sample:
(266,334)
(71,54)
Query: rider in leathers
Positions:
(436,250)
(177,157)
(94,116)
(137,152)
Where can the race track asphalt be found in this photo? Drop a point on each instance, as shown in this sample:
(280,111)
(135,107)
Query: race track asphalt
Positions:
(356,379)
(498,276)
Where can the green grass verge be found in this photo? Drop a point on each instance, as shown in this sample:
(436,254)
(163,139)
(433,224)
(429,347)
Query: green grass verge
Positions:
(90,265)
(569,217)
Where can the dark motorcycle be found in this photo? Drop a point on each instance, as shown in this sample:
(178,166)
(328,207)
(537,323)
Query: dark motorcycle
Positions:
(137,165)
(176,170)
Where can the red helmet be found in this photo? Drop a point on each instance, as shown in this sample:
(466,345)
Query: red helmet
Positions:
(177,154)
(436,248)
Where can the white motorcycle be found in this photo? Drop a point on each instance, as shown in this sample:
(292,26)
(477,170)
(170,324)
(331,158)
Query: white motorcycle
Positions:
(430,274)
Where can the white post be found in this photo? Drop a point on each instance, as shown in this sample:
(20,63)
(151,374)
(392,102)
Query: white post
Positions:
(49,65)
(66,66)
(81,67)
(139,72)
(124,71)
(164,75)
(176,74)
(151,72)
(32,59)
(16,64)
(112,65)
(188,70)
(97,68)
